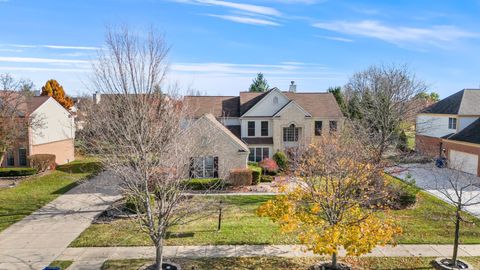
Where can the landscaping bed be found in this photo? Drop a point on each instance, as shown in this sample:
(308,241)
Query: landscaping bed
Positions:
(271,263)
(36,191)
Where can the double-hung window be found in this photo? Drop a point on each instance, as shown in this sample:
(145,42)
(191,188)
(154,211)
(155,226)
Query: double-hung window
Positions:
(452,123)
(10,159)
(333,126)
(251,128)
(258,154)
(264,129)
(22,156)
(318,128)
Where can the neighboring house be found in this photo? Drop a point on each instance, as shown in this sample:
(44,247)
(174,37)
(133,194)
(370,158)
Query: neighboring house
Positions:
(53,133)
(451,128)
(217,151)
(264,122)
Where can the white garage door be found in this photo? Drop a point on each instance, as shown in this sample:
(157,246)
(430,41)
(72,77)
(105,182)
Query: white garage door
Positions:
(464,162)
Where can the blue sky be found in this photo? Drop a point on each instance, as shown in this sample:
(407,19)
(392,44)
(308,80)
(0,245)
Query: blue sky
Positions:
(219,46)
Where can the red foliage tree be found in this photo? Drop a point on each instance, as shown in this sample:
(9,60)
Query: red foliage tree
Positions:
(268,165)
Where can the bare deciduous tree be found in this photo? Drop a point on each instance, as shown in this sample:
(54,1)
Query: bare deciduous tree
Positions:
(14,118)
(460,190)
(384,95)
(139,131)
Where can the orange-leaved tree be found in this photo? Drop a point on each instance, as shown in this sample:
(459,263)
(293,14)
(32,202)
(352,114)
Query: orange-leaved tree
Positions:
(332,205)
(53,89)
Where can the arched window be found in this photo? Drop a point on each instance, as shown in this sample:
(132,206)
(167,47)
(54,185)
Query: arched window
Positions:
(290,133)
(275,100)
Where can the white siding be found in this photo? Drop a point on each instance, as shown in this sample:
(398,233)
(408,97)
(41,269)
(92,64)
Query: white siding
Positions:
(258,127)
(464,122)
(433,126)
(230,121)
(56,123)
(266,106)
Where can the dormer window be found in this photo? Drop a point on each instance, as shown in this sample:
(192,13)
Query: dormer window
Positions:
(275,100)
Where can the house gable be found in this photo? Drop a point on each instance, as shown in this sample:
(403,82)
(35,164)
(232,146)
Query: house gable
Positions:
(55,123)
(292,108)
(271,103)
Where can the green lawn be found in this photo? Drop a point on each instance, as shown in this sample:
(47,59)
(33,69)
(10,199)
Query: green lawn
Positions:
(61,264)
(270,263)
(429,222)
(36,191)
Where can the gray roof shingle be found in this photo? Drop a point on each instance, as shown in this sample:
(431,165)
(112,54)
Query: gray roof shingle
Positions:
(465,102)
(469,134)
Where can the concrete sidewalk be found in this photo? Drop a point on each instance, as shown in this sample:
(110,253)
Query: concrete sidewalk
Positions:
(93,258)
(38,239)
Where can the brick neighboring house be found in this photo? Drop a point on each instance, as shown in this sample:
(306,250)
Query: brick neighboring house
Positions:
(55,134)
(264,122)
(451,128)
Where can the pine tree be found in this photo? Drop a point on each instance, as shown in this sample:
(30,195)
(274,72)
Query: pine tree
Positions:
(53,89)
(259,84)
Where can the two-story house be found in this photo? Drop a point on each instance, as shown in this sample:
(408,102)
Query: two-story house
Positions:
(451,128)
(53,132)
(260,124)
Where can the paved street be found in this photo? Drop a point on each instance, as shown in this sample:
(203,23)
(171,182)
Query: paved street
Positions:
(433,180)
(38,239)
(93,258)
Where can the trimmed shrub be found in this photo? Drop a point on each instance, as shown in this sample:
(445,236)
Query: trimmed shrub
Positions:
(402,143)
(253,163)
(281,160)
(16,172)
(205,183)
(267,178)
(256,174)
(240,177)
(42,162)
(132,202)
(269,166)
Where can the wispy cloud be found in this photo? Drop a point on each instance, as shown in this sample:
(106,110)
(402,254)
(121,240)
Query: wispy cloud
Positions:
(435,35)
(61,47)
(56,47)
(40,60)
(263,10)
(286,68)
(341,39)
(38,69)
(245,20)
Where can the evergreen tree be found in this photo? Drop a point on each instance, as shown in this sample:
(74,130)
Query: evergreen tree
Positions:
(259,84)
(337,93)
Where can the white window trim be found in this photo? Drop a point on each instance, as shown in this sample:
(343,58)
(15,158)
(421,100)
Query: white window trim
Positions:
(254,147)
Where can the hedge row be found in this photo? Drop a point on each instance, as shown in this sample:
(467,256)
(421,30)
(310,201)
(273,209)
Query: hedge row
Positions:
(15,172)
(205,183)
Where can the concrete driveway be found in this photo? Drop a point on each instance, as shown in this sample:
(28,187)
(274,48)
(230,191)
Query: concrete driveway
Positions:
(436,182)
(38,239)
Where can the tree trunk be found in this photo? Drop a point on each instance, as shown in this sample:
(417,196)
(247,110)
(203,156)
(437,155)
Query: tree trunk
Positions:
(334,260)
(159,255)
(457,236)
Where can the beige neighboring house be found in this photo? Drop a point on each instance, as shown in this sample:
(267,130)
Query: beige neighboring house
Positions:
(54,135)
(263,122)
(218,150)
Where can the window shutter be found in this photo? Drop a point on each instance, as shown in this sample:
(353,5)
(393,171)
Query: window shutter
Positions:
(215,167)
(191,173)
